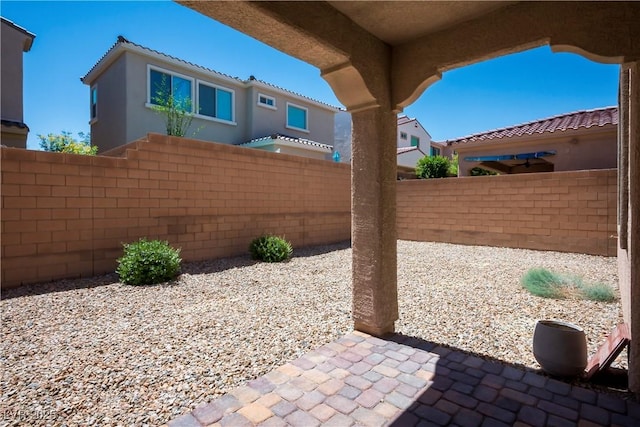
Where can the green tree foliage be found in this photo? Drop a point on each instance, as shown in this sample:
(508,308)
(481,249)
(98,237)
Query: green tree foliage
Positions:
(66,143)
(432,167)
(478,171)
(175,110)
(453,166)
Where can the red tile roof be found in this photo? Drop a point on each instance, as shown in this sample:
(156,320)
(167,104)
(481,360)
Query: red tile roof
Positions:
(570,121)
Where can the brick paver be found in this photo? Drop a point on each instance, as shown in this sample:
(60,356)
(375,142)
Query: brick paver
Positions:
(402,381)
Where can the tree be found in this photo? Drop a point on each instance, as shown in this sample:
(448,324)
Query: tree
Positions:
(66,143)
(432,167)
(176,110)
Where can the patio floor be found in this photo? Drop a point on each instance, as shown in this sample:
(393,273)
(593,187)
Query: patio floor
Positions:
(405,381)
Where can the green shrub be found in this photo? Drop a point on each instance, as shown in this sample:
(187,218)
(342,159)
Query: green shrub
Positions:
(432,167)
(547,284)
(148,262)
(598,292)
(543,283)
(270,249)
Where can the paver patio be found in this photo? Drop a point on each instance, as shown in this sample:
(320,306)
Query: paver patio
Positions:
(405,381)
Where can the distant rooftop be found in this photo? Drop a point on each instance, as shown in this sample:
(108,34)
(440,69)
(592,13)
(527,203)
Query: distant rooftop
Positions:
(122,42)
(30,36)
(569,121)
(269,139)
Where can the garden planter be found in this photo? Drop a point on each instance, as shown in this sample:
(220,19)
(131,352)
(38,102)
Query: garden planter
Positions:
(560,348)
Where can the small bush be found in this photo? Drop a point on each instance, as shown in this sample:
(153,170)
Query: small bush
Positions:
(148,262)
(598,292)
(543,283)
(547,284)
(270,249)
(432,167)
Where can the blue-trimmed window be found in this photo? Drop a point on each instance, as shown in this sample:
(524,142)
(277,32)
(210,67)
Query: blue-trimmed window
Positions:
(164,84)
(215,102)
(266,101)
(94,102)
(297,117)
(415,141)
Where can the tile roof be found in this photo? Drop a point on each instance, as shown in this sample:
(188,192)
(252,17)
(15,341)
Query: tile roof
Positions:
(402,150)
(404,119)
(569,121)
(278,136)
(251,80)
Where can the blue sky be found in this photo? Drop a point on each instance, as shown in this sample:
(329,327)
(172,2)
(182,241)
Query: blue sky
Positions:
(72,36)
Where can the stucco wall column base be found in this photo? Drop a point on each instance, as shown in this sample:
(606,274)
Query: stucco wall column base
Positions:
(373,221)
(376,331)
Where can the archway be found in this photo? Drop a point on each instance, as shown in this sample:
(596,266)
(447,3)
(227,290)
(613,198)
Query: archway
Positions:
(377,64)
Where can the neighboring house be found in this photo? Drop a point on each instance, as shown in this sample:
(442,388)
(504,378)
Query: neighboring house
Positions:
(15,41)
(414,143)
(573,141)
(124,87)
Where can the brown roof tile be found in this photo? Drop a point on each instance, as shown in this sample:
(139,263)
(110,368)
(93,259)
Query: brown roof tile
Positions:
(570,121)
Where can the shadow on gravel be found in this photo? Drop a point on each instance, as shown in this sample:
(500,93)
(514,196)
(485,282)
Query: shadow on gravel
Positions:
(59,286)
(192,267)
(319,250)
(470,388)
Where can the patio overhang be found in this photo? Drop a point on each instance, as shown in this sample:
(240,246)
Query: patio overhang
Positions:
(379,57)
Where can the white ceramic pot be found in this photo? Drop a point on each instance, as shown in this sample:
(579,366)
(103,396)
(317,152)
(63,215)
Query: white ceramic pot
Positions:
(560,348)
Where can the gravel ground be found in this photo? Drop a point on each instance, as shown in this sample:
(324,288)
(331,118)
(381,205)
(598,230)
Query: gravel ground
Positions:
(97,352)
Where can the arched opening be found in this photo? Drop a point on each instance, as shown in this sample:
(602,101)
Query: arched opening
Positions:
(471,296)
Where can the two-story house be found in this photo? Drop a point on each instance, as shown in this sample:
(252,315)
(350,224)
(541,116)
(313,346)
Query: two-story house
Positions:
(15,40)
(130,80)
(414,143)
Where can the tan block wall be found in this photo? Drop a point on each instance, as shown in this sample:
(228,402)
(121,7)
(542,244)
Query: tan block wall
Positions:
(67,215)
(561,211)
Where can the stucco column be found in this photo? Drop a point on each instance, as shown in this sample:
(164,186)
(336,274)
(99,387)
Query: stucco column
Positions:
(373,221)
(629,211)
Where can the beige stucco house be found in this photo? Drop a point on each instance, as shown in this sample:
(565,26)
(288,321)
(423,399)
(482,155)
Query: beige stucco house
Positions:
(126,82)
(15,40)
(573,141)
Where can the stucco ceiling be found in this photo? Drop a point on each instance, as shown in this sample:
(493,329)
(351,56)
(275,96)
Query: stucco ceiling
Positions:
(398,22)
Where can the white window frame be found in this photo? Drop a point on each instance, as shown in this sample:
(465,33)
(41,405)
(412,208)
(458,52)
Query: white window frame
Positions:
(268,97)
(286,125)
(171,73)
(215,119)
(93,117)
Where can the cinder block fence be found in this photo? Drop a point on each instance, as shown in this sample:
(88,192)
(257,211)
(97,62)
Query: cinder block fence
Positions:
(66,215)
(558,211)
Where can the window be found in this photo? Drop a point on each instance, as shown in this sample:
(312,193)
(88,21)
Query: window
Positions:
(94,103)
(297,117)
(266,101)
(415,141)
(435,151)
(163,85)
(215,101)
(403,135)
